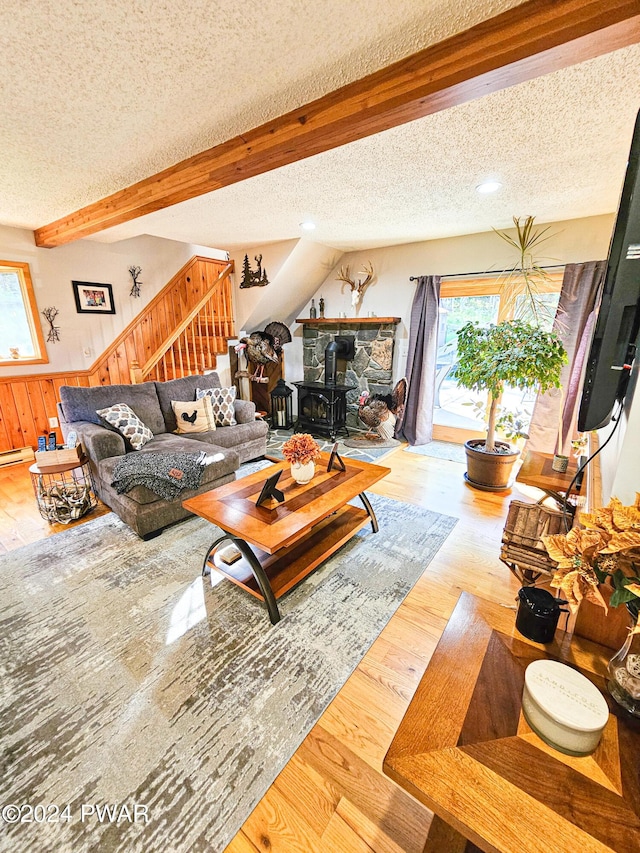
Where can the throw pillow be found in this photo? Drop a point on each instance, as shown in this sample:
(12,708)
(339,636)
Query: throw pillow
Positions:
(222,400)
(196,416)
(124,419)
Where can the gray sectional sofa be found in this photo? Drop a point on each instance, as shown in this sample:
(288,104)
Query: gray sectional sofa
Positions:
(140,508)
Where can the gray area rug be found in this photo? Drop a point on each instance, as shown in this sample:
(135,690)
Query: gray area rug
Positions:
(369,452)
(440,450)
(129,680)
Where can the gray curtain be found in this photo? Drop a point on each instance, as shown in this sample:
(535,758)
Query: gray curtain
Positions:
(417,424)
(581,289)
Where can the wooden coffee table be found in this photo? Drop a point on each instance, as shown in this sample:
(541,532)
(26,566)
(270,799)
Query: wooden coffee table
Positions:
(281,543)
(465,750)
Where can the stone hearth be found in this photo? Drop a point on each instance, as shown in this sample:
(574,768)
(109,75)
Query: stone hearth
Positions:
(370,370)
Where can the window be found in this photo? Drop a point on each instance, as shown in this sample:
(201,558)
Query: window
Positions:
(485,301)
(21,339)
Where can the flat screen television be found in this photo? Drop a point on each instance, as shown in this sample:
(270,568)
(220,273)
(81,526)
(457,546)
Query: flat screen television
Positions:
(615,333)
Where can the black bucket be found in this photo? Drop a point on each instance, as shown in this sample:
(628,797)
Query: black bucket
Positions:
(538,614)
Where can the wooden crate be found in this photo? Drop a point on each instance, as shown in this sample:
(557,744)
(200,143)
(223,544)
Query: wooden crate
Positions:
(522,549)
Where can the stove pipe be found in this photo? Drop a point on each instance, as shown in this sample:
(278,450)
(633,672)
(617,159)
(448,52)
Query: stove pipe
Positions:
(338,348)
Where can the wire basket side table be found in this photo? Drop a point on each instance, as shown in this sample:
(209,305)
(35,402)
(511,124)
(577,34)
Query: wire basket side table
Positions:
(65,492)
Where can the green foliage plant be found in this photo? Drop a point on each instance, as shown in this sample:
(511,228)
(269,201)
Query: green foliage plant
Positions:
(513,423)
(524,283)
(509,353)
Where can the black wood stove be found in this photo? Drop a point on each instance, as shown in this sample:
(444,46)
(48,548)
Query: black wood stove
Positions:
(322,408)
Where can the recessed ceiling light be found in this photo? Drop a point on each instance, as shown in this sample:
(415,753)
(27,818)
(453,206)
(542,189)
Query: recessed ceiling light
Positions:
(488,187)
(308,226)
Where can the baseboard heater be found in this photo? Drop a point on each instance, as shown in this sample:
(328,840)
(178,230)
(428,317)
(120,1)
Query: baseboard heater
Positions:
(20,454)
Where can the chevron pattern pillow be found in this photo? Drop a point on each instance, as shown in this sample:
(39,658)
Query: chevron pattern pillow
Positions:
(222,400)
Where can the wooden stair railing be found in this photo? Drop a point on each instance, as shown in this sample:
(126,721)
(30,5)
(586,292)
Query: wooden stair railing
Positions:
(28,402)
(193,345)
(155,324)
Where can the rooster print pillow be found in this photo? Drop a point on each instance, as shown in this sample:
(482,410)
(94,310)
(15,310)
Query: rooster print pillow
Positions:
(194,416)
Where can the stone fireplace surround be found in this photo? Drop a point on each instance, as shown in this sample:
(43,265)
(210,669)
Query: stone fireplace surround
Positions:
(370,370)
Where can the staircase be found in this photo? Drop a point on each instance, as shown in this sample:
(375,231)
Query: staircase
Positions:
(202,334)
(181,331)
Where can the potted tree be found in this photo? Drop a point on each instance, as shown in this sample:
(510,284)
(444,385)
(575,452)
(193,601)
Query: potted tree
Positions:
(490,357)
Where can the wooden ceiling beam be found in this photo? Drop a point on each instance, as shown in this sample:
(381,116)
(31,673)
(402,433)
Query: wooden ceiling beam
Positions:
(534,38)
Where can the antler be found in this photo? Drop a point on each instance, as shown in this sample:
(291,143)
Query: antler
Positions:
(368,271)
(357,288)
(343,275)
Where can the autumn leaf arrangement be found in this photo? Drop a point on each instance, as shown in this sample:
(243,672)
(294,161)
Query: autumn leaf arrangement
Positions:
(301,448)
(600,550)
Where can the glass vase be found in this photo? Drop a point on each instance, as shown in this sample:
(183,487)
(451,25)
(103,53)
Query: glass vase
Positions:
(624,668)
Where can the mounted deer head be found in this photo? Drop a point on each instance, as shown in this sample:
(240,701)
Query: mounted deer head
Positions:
(357,288)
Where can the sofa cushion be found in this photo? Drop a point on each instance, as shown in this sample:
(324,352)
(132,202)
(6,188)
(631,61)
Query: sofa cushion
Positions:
(182,390)
(245,411)
(194,416)
(167,444)
(222,400)
(124,419)
(240,434)
(82,404)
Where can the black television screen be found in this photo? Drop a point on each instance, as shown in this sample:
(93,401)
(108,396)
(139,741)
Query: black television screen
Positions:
(615,334)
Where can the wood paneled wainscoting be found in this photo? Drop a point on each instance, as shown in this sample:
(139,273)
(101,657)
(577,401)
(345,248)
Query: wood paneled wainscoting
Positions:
(28,401)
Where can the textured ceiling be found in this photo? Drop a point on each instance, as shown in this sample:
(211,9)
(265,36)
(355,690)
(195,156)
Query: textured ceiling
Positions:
(96,96)
(558,144)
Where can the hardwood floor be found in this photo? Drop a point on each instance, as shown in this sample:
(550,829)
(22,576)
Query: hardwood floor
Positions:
(20,521)
(332,795)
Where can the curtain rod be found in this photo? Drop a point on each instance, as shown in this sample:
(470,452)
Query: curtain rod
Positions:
(487,272)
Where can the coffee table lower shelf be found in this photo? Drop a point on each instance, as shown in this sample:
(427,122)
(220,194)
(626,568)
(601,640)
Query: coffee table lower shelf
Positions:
(289,565)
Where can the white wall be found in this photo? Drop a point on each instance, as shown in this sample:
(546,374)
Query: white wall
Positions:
(391,293)
(274,255)
(620,465)
(53,270)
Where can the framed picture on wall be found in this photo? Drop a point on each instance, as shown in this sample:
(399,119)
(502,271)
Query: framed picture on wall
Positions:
(93,298)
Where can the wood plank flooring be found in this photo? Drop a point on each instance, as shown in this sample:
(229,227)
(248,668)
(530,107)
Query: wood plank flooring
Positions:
(332,795)
(20,521)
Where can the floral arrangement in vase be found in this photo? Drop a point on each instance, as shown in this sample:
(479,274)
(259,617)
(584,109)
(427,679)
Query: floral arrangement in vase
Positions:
(301,450)
(600,551)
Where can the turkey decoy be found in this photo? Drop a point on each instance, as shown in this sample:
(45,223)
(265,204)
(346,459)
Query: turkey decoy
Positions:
(381,411)
(264,347)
